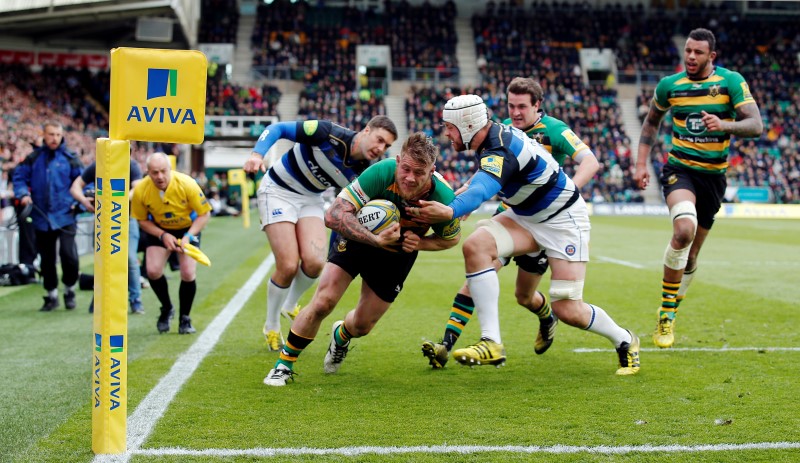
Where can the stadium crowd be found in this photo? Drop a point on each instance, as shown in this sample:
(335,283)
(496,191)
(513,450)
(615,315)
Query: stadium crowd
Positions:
(318,44)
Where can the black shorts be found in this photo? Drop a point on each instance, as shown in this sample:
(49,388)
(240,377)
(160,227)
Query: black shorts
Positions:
(383,271)
(150,240)
(533,264)
(709,189)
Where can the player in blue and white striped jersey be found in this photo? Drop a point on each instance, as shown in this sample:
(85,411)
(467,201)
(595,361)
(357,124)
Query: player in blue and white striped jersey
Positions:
(290,199)
(546,211)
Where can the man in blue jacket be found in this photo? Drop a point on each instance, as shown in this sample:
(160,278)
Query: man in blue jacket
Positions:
(43,179)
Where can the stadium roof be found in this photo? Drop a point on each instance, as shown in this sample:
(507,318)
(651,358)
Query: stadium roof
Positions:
(99,24)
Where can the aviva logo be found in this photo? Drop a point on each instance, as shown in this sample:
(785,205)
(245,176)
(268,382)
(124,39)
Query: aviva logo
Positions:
(162,81)
(117,186)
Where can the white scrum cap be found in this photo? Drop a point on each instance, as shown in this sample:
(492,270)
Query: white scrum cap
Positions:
(468,113)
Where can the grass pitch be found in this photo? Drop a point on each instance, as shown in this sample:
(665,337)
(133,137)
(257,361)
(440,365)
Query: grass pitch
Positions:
(731,380)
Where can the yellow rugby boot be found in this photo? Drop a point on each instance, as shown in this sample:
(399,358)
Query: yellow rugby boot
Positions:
(484,352)
(291,314)
(664,337)
(436,353)
(628,353)
(274,340)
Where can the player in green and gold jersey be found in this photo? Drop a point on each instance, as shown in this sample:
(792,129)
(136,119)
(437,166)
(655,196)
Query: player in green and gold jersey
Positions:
(525,98)
(383,260)
(708,105)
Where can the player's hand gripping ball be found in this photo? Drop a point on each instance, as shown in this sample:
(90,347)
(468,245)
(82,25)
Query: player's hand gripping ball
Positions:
(377,215)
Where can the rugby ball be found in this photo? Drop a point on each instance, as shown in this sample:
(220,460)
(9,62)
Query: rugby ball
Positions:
(377,215)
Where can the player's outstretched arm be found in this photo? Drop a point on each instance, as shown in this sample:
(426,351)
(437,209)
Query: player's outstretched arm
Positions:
(269,136)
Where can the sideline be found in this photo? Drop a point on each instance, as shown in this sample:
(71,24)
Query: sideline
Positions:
(153,406)
(471,449)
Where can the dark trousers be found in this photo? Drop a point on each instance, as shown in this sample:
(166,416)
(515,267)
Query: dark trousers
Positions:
(27,240)
(68,252)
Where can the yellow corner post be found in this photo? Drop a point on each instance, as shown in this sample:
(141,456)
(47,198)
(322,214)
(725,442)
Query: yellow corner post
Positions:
(158,96)
(110,365)
(238,177)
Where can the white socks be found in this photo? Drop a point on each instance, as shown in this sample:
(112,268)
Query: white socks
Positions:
(485,289)
(603,325)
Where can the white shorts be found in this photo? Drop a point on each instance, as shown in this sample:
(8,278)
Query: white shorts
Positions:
(565,236)
(277,204)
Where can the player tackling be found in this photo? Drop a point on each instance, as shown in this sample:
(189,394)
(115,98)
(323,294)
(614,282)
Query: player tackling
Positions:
(383,260)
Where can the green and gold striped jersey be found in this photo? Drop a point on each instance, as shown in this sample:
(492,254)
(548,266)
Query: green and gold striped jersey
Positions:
(555,136)
(719,94)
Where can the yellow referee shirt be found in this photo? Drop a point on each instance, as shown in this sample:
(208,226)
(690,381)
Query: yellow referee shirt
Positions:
(171,209)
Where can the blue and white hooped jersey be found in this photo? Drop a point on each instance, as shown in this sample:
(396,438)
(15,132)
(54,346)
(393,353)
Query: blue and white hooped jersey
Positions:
(319,159)
(532,182)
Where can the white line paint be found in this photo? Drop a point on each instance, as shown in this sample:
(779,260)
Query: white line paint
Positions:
(586,350)
(463,449)
(152,408)
(618,262)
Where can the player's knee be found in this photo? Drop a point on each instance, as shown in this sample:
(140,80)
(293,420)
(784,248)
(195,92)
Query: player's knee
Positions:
(561,290)
(475,245)
(684,223)
(188,275)
(285,272)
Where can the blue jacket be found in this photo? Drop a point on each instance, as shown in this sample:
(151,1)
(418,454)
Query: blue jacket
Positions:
(46,176)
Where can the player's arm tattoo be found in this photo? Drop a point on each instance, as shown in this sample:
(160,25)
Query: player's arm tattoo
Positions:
(651,124)
(748,122)
(341,217)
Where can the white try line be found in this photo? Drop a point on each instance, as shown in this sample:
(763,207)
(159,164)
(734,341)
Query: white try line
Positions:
(618,262)
(467,449)
(152,408)
(586,350)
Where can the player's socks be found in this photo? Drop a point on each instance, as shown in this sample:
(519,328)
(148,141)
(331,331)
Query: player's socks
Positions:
(544,311)
(669,295)
(686,280)
(463,306)
(291,349)
(186,293)
(299,286)
(161,289)
(485,289)
(276,295)
(341,335)
(600,323)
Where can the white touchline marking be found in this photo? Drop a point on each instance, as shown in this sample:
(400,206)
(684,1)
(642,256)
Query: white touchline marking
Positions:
(619,262)
(585,350)
(462,449)
(152,408)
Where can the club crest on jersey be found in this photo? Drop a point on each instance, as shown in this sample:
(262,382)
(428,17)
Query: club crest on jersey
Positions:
(539,137)
(570,250)
(492,165)
(713,90)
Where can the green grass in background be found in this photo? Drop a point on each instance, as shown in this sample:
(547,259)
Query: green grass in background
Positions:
(386,394)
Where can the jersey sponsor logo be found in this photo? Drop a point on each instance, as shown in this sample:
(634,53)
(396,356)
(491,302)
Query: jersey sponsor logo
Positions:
(309,127)
(695,124)
(571,138)
(316,171)
(713,90)
(492,165)
(746,91)
(570,250)
(263,135)
(355,189)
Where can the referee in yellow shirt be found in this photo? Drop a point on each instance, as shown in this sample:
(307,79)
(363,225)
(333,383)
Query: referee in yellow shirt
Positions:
(163,204)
